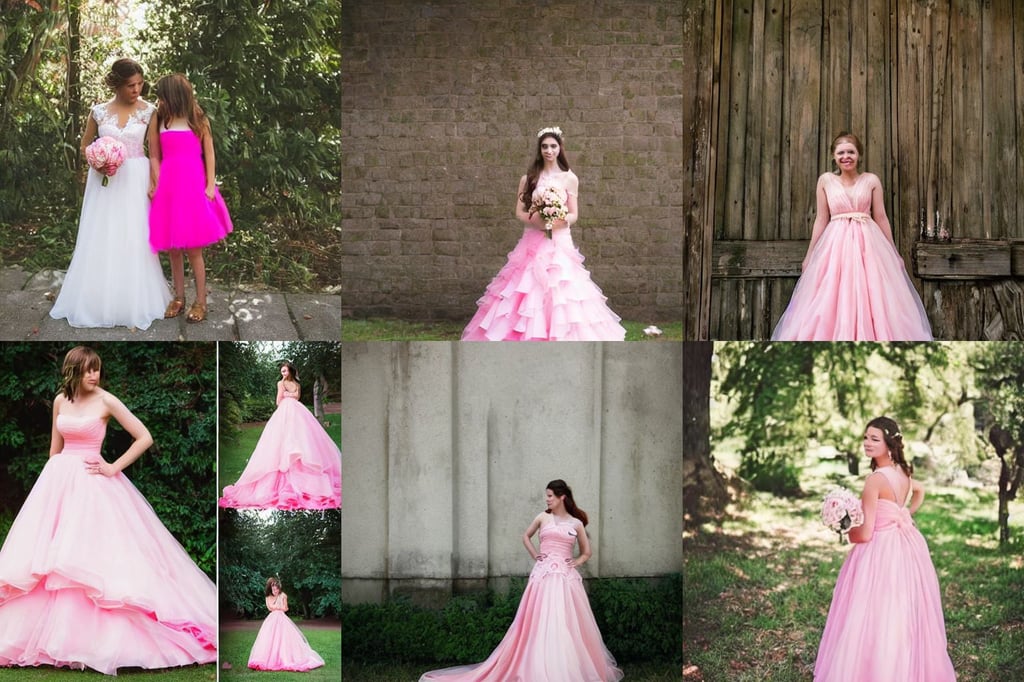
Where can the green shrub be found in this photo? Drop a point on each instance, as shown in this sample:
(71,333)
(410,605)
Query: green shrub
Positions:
(640,620)
(770,471)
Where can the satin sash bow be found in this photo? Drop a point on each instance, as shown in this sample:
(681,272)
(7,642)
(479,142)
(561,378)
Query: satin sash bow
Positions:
(858,216)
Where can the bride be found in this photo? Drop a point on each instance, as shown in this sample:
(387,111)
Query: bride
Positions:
(114,278)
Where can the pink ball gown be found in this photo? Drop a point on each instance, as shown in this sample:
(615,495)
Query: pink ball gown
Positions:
(544,294)
(89,577)
(295,465)
(181,216)
(280,645)
(885,623)
(855,286)
(553,637)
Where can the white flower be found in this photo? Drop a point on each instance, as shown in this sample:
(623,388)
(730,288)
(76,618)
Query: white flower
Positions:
(652,331)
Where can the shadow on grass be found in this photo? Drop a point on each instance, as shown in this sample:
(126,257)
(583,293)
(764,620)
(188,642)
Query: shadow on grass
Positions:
(758,583)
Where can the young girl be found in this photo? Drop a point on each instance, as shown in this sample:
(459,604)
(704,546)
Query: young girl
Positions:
(854,285)
(885,622)
(89,575)
(187,212)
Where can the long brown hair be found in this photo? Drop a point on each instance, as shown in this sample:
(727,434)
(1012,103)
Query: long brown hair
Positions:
(271,581)
(894,441)
(178,101)
(558,487)
(538,165)
(77,362)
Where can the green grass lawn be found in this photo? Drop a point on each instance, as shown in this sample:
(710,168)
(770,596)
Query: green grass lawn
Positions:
(381,672)
(236,643)
(194,673)
(234,455)
(757,587)
(399,330)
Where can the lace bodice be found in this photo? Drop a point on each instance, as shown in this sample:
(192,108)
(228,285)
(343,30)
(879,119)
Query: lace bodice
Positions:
(133,135)
(82,435)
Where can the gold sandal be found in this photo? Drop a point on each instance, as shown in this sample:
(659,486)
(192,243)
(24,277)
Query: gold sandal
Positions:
(175,307)
(197,313)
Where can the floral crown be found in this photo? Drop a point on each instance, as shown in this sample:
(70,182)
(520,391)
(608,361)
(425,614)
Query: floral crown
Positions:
(554,131)
(894,434)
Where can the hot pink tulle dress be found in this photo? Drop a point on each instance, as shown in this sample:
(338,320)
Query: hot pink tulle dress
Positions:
(295,465)
(554,637)
(855,286)
(280,645)
(89,577)
(885,623)
(181,216)
(544,294)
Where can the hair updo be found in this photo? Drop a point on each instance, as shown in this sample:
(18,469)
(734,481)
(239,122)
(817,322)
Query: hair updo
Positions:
(894,441)
(120,71)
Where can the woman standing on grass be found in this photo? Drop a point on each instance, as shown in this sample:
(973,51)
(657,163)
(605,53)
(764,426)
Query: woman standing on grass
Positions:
(554,637)
(280,645)
(295,465)
(886,622)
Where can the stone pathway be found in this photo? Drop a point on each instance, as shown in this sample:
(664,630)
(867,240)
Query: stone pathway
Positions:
(234,315)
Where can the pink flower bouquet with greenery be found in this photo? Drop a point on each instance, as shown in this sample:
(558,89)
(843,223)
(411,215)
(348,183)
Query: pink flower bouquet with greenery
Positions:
(550,206)
(106,155)
(841,510)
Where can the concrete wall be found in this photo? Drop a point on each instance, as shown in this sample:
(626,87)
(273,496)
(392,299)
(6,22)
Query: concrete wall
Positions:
(448,448)
(441,102)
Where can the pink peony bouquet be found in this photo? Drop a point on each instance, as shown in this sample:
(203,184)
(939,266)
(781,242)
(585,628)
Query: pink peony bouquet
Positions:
(841,511)
(550,206)
(106,153)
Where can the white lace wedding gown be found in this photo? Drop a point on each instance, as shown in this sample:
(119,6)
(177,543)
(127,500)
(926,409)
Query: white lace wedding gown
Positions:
(114,278)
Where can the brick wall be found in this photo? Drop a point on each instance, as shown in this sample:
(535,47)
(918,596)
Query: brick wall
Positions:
(440,105)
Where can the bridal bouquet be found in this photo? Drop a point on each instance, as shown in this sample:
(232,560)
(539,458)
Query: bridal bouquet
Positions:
(550,206)
(841,511)
(105,152)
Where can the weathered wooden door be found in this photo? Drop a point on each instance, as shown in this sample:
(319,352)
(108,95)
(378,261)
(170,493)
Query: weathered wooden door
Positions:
(935,89)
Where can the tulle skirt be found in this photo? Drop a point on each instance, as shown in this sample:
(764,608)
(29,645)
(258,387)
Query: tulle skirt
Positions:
(280,645)
(114,278)
(90,577)
(295,465)
(855,288)
(543,293)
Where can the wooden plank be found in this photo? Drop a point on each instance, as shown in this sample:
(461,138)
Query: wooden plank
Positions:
(755,132)
(967,259)
(876,92)
(700,47)
(838,104)
(1016,229)
(771,126)
(859,95)
(739,79)
(724,40)
(964,259)
(967,210)
(908,171)
(997,102)
(804,81)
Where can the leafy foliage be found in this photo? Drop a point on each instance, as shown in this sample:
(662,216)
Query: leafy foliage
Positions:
(640,620)
(302,548)
(170,387)
(268,75)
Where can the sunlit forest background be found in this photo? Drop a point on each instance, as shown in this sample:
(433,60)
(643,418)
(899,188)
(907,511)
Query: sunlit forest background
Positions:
(266,73)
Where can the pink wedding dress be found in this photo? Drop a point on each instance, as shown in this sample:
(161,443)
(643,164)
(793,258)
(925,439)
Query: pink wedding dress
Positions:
(855,286)
(553,637)
(885,623)
(543,293)
(295,465)
(89,577)
(280,645)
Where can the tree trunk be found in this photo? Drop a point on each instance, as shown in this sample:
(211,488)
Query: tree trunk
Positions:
(705,493)
(1010,475)
(319,386)
(73,135)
